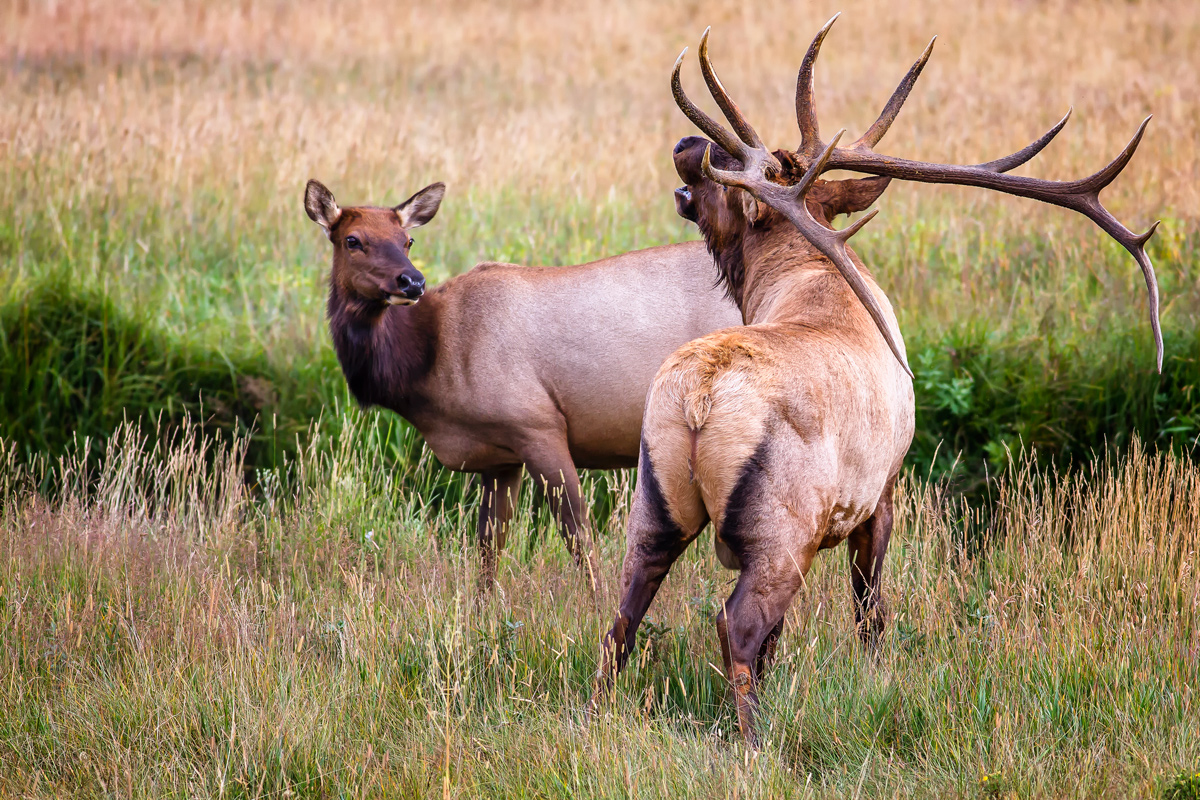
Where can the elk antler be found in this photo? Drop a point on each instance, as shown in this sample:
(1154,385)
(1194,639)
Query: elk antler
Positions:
(758,164)
(748,149)
(1082,196)
(789,201)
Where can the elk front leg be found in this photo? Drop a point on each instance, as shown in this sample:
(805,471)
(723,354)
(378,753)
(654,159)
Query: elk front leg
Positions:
(497,502)
(868,546)
(553,470)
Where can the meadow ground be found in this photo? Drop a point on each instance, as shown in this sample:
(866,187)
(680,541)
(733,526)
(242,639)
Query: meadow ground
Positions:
(167,627)
(167,634)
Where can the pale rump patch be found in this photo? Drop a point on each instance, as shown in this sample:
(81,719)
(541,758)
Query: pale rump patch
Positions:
(699,425)
(706,359)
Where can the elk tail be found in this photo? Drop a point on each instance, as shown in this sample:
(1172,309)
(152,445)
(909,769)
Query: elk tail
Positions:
(696,407)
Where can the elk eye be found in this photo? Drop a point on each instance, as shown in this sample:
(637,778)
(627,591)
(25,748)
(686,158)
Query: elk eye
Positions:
(353,243)
(411,242)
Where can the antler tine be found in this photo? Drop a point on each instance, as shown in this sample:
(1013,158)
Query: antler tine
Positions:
(746,147)
(806,112)
(1104,177)
(789,201)
(886,117)
(722,176)
(1018,158)
(880,127)
(711,128)
(1135,243)
(1082,196)
(729,108)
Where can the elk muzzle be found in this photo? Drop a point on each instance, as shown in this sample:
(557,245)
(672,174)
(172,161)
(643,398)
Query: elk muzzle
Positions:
(684,206)
(410,285)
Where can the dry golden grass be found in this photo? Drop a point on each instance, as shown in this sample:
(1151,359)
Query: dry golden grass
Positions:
(147,128)
(568,99)
(161,634)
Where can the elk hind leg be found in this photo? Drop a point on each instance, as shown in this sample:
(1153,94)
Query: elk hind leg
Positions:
(654,541)
(752,615)
(868,546)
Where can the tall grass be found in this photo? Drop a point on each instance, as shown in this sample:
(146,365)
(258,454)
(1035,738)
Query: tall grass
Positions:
(167,633)
(156,259)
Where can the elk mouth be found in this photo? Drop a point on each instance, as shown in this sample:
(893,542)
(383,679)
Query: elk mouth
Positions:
(401,300)
(684,204)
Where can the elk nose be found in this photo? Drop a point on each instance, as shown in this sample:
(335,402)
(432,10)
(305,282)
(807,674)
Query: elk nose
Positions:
(685,143)
(411,286)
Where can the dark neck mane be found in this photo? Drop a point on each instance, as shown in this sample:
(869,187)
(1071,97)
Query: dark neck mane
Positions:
(384,351)
(731,267)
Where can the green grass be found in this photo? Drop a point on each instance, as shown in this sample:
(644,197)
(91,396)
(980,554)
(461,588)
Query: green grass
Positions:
(1016,339)
(167,633)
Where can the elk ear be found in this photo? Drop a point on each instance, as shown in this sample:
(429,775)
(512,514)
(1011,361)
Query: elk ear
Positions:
(846,197)
(420,208)
(751,210)
(320,205)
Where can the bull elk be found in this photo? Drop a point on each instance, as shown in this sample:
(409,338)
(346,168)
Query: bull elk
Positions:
(788,434)
(504,366)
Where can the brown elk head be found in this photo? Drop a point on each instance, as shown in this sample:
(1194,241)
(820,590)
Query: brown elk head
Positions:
(726,215)
(371,266)
(734,183)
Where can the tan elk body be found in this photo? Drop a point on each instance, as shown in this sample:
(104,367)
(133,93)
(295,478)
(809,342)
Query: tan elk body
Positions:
(505,365)
(788,434)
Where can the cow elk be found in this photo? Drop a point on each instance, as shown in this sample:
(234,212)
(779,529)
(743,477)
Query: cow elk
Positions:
(504,366)
(788,434)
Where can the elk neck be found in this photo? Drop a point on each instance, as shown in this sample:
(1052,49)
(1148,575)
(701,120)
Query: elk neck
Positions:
(384,351)
(725,246)
(785,279)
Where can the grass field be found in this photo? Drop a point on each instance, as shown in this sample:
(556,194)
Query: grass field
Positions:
(165,634)
(167,627)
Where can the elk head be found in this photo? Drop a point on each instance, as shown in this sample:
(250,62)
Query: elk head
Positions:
(787,183)
(727,216)
(371,266)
